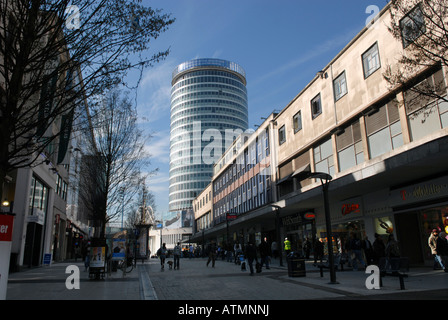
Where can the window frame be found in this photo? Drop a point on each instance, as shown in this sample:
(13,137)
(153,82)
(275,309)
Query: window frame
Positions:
(408,20)
(314,115)
(283,130)
(298,116)
(363,59)
(337,84)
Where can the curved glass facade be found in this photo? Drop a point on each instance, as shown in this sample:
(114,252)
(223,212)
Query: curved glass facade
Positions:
(208,111)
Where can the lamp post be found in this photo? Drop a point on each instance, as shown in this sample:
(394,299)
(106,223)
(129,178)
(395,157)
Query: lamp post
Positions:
(325,179)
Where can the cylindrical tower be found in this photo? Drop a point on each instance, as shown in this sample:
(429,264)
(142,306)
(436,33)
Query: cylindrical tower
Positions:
(208,111)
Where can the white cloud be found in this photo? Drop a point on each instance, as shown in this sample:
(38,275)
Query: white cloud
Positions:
(159,147)
(155,92)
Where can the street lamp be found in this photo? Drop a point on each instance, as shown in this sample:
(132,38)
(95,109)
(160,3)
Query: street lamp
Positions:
(277,229)
(325,179)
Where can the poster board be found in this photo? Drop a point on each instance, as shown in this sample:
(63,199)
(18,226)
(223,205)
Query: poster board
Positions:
(119,249)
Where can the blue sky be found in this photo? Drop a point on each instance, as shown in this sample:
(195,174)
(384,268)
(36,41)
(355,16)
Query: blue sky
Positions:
(281,45)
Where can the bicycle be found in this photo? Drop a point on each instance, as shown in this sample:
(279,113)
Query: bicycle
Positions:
(126,265)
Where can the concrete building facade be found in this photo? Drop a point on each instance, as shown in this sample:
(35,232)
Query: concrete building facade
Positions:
(385,151)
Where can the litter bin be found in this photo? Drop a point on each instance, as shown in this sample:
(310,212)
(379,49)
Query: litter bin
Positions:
(296,265)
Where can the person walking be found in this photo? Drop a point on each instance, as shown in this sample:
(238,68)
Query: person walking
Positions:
(176,253)
(368,250)
(433,241)
(211,253)
(392,250)
(355,247)
(274,249)
(251,255)
(287,246)
(379,249)
(307,248)
(265,253)
(237,249)
(442,249)
(161,253)
(318,251)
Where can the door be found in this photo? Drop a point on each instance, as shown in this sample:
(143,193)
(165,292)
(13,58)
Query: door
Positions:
(408,236)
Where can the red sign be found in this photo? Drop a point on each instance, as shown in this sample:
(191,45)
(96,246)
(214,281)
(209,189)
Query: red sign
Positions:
(309,216)
(6,222)
(231,216)
(350,208)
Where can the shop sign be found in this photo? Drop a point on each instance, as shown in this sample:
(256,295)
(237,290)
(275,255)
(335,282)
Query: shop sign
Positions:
(420,192)
(6,222)
(37,216)
(230,216)
(291,220)
(6,225)
(348,208)
(309,215)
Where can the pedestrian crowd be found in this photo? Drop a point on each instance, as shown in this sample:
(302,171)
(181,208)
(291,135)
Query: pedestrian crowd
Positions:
(358,253)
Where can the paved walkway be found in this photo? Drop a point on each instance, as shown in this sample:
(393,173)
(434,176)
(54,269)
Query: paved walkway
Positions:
(196,281)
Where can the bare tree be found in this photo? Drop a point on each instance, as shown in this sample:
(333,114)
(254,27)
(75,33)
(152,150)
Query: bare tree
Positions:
(142,208)
(111,176)
(422,28)
(56,54)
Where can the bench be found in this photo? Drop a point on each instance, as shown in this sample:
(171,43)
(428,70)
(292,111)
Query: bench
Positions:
(395,267)
(326,265)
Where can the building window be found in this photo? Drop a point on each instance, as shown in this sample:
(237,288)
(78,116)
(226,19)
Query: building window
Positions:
(340,86)
(323,157)
(371,60)
(412,26)
(316,106)
(297,122)
(384,130)
(281,135)
(266,142)
(38,195)
(425,114)
(429,119)
(349,146)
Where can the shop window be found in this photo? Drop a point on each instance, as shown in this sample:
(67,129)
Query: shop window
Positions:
(384,130)
(349,146)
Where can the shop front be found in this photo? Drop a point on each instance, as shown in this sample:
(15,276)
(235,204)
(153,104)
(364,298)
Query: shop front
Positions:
(409,213)
(418,209)
(300,229)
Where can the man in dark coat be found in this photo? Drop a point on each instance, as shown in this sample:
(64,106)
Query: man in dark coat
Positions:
(251,254)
